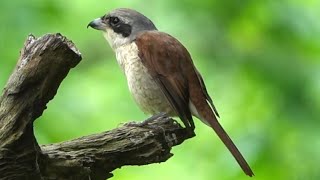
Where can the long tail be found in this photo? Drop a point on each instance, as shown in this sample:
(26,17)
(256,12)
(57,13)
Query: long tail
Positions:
(216,126)
(206,114)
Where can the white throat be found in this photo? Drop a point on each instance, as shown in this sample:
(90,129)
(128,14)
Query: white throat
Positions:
(115,40)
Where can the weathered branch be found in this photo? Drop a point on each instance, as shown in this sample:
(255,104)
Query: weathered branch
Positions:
(96,155)
(43,64)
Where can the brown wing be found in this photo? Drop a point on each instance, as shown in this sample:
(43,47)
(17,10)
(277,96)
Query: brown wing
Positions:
(163,56)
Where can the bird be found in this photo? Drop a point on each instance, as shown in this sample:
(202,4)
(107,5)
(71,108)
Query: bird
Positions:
(160,73)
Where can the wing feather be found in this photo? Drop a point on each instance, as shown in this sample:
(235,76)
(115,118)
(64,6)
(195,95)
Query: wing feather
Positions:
(158,52)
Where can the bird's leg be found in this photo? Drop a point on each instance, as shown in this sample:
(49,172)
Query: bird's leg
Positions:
(189,127)
(160,116)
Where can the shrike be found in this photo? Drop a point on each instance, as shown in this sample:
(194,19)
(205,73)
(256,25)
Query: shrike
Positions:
(160,73)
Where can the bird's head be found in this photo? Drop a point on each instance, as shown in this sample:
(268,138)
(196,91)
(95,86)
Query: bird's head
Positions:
(122,25)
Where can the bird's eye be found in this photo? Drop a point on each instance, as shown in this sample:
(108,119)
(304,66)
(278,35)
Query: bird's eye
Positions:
(114,20)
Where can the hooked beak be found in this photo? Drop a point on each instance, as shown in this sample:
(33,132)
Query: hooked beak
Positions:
(97,24)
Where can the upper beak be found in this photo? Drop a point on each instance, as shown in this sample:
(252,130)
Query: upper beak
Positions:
(96,24)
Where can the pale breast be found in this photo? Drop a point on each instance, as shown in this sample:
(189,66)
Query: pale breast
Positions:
(143,88)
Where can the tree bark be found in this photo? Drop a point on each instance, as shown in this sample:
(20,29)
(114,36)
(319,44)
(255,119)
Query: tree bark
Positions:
(43,64)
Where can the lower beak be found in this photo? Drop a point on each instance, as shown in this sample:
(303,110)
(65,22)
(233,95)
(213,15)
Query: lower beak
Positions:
(96,24)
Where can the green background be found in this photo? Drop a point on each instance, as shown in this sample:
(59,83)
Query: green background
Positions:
(259,59)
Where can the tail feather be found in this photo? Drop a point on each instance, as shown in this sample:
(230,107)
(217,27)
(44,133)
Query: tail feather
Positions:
(216,126)
(199,107)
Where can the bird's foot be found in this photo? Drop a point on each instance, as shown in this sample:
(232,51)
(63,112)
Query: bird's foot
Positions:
(162,116)
(158,117)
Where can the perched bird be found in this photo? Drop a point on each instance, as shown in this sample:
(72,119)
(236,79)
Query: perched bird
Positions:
(160,73)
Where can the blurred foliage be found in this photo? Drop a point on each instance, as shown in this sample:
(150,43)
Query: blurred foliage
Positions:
(260,61)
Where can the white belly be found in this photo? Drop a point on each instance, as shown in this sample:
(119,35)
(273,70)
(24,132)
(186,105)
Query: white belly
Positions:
(143,88)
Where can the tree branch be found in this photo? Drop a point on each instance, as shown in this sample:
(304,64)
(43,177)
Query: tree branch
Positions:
(43,64)
(95,155)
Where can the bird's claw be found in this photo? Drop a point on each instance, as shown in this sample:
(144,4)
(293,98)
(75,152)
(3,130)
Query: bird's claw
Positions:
(160,116)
